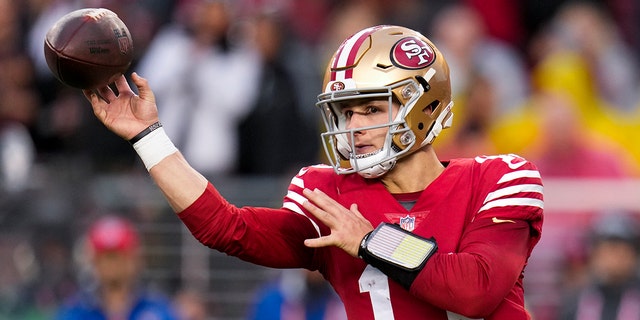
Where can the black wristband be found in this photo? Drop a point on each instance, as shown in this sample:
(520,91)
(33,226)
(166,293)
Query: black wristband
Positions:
(362,251)
(145,132)
(398,253)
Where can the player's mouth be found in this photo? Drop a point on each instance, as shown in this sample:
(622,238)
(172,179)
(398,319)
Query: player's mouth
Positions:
(362,148)
(365,151)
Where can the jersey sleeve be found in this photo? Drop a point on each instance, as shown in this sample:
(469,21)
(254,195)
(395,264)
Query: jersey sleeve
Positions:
(264,236)
(309,178)
(511,188)
(484,275)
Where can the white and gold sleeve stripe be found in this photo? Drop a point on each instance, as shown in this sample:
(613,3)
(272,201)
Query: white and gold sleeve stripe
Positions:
(295,205)
(514,195)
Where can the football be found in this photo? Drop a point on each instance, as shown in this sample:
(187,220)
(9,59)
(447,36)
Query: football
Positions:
(88,48)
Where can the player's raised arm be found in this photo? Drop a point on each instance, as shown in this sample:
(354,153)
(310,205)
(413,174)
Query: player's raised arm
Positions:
(135,118)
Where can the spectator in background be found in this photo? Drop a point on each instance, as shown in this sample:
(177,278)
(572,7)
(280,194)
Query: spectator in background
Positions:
(613,288)
(206,78)
(625,14)
(275,136)
(587,29)
(297,294)
(416,14)
(35,273)
(17,149)
(502,19)
(472,53)
(566,148)
(568,74)
(191,305)
(18,103)
(114,256)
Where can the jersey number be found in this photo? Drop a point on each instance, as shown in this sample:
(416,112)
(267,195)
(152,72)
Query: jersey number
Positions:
(376,284)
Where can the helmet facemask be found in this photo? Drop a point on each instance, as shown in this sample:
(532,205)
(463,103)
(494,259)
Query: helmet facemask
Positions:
(338,141)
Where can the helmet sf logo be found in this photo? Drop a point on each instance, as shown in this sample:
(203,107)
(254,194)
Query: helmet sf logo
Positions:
(337,86)
(412,53)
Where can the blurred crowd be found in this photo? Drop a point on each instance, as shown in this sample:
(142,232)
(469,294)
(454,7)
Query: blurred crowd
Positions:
(555,81)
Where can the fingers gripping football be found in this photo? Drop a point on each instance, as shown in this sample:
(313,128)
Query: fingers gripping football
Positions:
(124,113)
(348,226)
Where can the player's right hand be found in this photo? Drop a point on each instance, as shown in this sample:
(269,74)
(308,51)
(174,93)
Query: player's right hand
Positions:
(127,113)
(348,226)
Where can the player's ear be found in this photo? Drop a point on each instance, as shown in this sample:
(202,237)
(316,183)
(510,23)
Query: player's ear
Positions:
(429,109)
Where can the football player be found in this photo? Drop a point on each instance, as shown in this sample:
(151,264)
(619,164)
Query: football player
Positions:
(397,232)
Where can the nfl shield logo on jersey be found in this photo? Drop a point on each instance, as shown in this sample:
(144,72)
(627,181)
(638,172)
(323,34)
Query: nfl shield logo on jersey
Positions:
(408,223)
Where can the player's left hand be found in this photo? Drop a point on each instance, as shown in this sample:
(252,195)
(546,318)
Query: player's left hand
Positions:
(348,226)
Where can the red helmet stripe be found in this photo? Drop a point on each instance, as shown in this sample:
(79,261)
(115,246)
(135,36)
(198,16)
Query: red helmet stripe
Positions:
(335,61)
(347,53)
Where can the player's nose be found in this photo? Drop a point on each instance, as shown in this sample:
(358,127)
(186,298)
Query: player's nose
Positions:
(356,121)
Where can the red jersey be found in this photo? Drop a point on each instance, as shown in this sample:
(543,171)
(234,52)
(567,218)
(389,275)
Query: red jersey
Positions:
(484,213)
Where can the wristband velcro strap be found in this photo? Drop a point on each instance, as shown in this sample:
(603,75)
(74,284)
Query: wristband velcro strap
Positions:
(145,132)
(153,147)
(396,252)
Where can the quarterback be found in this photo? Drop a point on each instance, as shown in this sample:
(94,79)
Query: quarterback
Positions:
(399,233)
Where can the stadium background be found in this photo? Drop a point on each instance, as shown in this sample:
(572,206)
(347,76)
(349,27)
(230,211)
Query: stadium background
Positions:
(60,168)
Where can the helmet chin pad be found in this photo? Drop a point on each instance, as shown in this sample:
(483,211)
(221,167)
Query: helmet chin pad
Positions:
(375,169)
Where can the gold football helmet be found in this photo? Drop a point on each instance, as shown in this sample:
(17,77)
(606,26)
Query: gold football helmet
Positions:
(393,63)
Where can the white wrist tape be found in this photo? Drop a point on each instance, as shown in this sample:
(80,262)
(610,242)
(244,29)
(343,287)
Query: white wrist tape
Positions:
(154,147)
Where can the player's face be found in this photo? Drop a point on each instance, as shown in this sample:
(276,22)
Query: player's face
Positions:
(368,113)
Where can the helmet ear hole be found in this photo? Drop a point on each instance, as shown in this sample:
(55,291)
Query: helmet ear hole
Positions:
(430,108)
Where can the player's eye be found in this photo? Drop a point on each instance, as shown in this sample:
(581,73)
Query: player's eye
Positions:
(372,109)
(348,113)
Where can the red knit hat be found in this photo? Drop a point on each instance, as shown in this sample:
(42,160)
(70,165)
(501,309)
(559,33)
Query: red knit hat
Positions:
(111,233)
